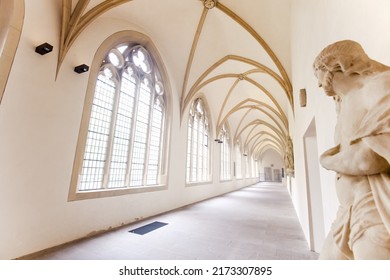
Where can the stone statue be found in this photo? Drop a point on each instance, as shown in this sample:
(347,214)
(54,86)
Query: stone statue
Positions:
(360,87)
(289,157)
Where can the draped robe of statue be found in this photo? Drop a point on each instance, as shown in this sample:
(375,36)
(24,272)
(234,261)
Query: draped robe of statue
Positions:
(361,157)
(375,133)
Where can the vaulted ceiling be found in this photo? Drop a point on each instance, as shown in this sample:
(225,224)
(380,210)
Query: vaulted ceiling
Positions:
(233,53)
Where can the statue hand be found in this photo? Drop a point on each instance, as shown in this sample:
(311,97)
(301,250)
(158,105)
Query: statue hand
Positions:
(356,159)
(327,160)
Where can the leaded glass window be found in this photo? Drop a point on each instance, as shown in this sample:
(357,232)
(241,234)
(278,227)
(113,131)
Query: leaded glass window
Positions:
(224,138)
(198,143)
(126,124)
(238,162)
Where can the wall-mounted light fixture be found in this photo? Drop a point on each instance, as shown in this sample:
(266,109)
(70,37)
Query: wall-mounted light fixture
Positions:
(81,68)
(302,97)
(245,155)
(44,48)
(219,141)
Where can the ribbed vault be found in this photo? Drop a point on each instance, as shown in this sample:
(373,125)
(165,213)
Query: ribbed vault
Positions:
(215,49)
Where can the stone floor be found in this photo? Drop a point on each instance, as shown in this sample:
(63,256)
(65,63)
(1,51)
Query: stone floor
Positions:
(257,222)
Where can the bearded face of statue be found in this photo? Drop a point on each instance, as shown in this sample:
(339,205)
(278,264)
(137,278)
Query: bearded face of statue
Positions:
(325,79)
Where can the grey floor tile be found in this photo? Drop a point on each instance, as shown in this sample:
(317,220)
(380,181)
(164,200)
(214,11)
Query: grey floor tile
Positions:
(257,222)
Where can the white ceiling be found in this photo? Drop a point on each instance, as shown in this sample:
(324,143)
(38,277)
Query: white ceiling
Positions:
(241,57)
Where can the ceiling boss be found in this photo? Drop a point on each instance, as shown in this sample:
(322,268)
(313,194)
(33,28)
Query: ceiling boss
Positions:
(209,4)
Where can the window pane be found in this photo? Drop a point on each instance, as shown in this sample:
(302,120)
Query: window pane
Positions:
(124,138)
(200,150)
(197,145)
(195,150)
(140,136)
(122,133)
(225,155)
(238,163)
(205,156)
(92,172)
(154,145)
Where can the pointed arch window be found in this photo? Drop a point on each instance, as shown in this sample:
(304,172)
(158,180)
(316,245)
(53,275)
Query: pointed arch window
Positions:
(238,161)
(253,164)
(124,136)
(224,137)
(247,169)
(198,144)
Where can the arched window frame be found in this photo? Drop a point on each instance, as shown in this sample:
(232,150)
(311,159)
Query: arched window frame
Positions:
(225,154)
(238,161)
(253,165)
(198,143)
(133,40)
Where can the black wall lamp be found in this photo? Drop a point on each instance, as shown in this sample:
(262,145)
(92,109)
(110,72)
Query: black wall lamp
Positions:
(44,48)
(219,141)
(302,97)
(81,68)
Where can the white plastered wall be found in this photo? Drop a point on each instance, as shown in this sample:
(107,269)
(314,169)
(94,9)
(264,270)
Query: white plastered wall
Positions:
(271,157)
(39,125)
(316,24)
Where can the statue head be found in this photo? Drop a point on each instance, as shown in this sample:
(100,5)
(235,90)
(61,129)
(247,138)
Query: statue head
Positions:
(347,57)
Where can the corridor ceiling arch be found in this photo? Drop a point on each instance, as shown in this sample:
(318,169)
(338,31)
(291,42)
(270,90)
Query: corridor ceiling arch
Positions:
(218,47)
